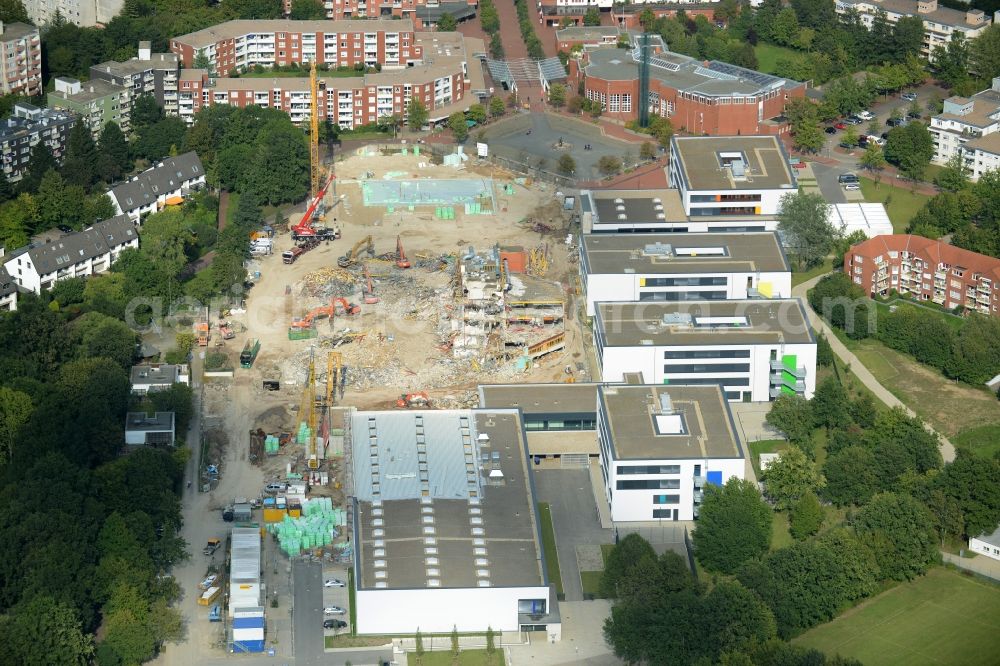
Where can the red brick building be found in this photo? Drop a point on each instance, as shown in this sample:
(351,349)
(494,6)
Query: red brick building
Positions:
(707,97)
(927,270)
(416,10)
(241,45)
(452,81)
(563,12)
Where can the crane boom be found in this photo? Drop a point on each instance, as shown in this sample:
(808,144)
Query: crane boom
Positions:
(314,165)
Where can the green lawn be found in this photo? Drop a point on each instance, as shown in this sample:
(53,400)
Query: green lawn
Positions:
(465,658)
(591,581)
(954,321)
(902,203)
(780,536)
(983,440)
(798,277)
(769,54)
(234,203)
(942,618)
(549,546)
(765,446)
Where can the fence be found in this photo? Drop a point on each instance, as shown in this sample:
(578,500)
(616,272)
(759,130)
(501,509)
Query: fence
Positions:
(983,566)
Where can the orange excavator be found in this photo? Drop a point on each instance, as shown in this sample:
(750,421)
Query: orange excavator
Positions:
(411,400)
(401,260)
(337,306)
(368,292)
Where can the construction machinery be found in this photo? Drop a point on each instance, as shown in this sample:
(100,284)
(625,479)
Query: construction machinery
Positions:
(401,260)
(351,258)
(302,328)
(368,290)
(418,400)
(307,227)
(308,416)
(226,331)
(335,377)
(202,331)
(249,353)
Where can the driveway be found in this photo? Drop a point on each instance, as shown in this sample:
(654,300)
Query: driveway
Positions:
(570,496)
(307,612)
(826,178)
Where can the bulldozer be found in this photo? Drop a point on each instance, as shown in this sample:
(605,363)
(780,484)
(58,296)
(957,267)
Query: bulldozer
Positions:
(417,400)
(351,258)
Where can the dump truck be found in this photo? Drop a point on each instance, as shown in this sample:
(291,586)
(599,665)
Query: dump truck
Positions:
(210,595)
(211,546)
(249,353)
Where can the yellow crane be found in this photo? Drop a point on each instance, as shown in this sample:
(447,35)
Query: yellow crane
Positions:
(307,414)
(316,168)
(334,368)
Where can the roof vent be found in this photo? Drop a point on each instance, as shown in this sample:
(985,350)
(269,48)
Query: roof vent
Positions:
(678,319)
(657,249)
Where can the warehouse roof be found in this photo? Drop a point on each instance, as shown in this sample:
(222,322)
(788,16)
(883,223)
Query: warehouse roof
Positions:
(669,423)
(682,253)
(541,398)
(245,558)
(709,163)
(444,509)
(703,323)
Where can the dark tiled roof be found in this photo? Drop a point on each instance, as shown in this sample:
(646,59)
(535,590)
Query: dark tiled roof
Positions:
(7,284)
(74,248)
(161,179)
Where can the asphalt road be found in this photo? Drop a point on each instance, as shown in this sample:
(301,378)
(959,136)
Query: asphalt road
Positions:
(307,613)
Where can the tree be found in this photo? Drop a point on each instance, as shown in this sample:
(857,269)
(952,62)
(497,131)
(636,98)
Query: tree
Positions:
(145,112)
(416,115)
(609,165)
(850,476)
(81,155)
(418,647)
(497,107)
(566,164)
(477,113)
(911,148)
(790,477)
(792,415)
(954,176)
(101,336)
(112,158)
(850,136)
(491,646)
(160,139)
(647,151)
(40,161)
(901,532)
(803,218)
(947,514)
(12,11)
(626,555)
(307,10)
(873,160)
(458,127)
(735,618)
(592,17)
(15,409)
(974,483)
(447,23)
(202,61)
(44,631)
(830,404)
(734,525)
(454,643)
(557,95)
(806,516)
(258,9)
(985,53)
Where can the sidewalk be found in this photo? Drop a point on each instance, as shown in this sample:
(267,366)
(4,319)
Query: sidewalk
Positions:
(982,565)
(858,368)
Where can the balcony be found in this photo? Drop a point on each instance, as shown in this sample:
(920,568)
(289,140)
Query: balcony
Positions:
(778,379)
(698,497)
(699,482)
(799,372)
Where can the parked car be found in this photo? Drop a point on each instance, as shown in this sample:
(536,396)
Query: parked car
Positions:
(272,488)
(909,96)
(852,187)
(334,610)
(913,114)
(865,115)
(847,178)
(334,624)
(853,120)
(831,130)
(895,122)
(334,582)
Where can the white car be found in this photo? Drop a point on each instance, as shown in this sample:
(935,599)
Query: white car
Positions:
(334,582)
(865,115)
(852,187)
(909,96)
(334,610)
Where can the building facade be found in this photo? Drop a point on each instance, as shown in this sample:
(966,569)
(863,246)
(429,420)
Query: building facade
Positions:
(452,82)
(165,184)
(940,23)
(982,155)
(926,270)
(986,544)
(97,103)
(625,15)
(27,127)
(648,268)
(755,350)
(661,445)
(21,53)
(731,176)
(711,97)
(149,73)
(38,268)
(84,13)
(964,120)
(8,290)
(240,45)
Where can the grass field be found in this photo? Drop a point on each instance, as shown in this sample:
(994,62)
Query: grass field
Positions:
(942,618)
(465,658)
(769,54)
(798,277)
(903,204)
(591,582)
(549,546)
(984,440)
(780,536)
(765,446)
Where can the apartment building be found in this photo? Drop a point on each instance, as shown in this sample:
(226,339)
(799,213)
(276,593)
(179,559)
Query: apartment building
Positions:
(97,103)
(84,13)
(650,268)
(8,289)
(730,176)
(755,350)
(926,270)
(28,126)
(149,73)
(982,155)
(421,12)
(21,54)
(661,445)
(240,45)
(658,211)
(701,97)
(165,184)
(966,120)
(940,23)
(559,13)
(38,267)
(452,80)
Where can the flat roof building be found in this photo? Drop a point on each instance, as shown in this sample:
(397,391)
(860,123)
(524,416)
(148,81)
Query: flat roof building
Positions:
(246,591)
(756,350)
(444,522)
(660,446)
(869,218)
(141,429)
(730,175)
(987,544)
(683,267)
(157,376)
(560,419)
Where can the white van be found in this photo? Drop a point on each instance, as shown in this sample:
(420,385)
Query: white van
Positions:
(261,246)
(877,140)
(865,115)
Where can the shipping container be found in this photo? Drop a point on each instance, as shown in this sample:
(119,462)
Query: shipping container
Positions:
(209,596)
(244,635)
(248,646)
(248,622)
